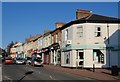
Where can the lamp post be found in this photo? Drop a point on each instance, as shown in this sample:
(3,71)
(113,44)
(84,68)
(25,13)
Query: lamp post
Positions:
(108,45)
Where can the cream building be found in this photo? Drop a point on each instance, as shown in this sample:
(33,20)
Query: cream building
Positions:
(91,40)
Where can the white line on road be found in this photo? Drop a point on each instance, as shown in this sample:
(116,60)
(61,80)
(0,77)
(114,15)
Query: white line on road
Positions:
(8,78)
(52,77)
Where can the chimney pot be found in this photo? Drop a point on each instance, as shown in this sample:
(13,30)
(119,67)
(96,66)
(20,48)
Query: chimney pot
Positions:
(82,13)
(59,24)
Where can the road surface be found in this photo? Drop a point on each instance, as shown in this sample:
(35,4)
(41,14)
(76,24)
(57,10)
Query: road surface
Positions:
(15,72)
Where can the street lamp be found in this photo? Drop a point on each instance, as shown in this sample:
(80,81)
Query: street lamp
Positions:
(108,44)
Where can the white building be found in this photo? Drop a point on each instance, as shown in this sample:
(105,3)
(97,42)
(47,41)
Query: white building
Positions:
(91,40)
(40,46)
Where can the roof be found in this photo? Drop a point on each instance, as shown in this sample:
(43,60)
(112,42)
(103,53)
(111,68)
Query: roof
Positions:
(37,36)
(55,30)
(46,34)
(31,38)
(17,44)
(93,18)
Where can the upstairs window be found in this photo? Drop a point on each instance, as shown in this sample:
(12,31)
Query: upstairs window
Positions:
(79,32)
(98,31)
(66,34)
(52,39)
(56,38)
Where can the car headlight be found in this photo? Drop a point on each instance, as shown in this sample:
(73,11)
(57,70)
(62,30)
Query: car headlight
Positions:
(35,62)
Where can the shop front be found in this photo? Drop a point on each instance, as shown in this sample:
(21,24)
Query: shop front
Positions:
(55,54)
(46,55)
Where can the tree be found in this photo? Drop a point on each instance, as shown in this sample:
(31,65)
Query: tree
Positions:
(9,47)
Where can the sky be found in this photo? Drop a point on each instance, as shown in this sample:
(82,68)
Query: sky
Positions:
(22,19)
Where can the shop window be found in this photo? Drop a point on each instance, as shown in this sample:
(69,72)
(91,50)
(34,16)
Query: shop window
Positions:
(67,60)
(80,55)
(67,57)
(98,56)
(81,63)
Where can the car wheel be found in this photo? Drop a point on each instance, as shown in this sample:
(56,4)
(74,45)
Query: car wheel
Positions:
(29,63)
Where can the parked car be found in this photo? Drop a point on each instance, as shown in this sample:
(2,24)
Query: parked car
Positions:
(8,60)
(37,61)
(20,61)
(28,60)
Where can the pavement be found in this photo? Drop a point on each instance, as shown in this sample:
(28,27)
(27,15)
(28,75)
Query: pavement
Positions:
(99,74)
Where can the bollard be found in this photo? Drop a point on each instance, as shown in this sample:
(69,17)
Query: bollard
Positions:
(115,71)
(93,67)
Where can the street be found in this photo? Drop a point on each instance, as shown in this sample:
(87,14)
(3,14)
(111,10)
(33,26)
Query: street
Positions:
(15,72)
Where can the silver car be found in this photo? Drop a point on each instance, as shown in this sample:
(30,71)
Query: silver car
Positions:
(36,61)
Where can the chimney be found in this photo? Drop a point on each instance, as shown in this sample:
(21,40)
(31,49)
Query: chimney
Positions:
(46,31)
(82,13)
(59,24)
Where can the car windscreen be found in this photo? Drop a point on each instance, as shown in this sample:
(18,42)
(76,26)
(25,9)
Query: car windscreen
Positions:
(8,58)
(38,59)
(19,58)
(29,58)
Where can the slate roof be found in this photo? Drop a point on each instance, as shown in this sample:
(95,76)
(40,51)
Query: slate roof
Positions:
(93,18)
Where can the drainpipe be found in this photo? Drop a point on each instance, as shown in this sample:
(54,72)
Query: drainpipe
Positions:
(108,44)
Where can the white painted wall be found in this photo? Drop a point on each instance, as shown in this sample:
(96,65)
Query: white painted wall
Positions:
(70,35)
(88,42)
(88,58)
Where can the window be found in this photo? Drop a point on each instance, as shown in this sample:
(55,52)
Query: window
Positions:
(46,42)
(56,38)
(67,57)
(52,40)
(66,34)
(81,63)
(49,41)
(80,55)
(79,32)
(98,31)
(98,56)
(41,42)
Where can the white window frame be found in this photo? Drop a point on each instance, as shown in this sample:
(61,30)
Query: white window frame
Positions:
(98,31)
(66,34)
(52,39)
(56,37)
(79,31)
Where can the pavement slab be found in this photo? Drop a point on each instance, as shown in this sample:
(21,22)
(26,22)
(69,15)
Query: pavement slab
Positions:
(99,74)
